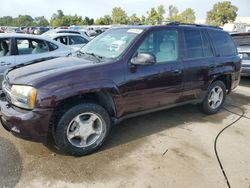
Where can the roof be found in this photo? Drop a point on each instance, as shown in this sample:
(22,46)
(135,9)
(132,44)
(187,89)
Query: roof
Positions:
(54,35)
(171,24)
(20,35)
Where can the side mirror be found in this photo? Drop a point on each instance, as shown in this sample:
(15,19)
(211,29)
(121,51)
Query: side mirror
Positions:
(143,59)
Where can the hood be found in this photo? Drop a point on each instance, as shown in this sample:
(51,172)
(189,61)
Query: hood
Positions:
(32,73)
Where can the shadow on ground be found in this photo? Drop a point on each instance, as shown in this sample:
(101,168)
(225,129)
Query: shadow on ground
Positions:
(10,164)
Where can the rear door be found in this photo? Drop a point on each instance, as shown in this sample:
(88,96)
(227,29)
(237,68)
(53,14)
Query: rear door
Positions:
(154,86)
(198,59)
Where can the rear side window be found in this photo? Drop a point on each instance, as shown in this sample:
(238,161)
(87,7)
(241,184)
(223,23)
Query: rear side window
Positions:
(223,43)
(73,40)
(63,40)
(52,46)
(193,44)
(31,46)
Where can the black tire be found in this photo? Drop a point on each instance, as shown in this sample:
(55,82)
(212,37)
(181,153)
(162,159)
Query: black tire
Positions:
(61,130)
(205,107)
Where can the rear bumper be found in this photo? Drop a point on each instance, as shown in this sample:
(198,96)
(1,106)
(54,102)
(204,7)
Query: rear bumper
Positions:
(245,70)
(31,125)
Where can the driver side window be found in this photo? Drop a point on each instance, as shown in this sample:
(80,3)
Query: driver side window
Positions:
(162,44)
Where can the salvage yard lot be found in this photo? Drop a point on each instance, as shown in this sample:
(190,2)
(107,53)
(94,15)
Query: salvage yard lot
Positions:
(171,148)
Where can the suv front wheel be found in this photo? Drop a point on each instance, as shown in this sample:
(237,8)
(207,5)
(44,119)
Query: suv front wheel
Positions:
(215,98)
(82,129)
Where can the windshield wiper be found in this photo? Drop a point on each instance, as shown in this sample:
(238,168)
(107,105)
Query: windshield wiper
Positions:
(98,57)
(94,55)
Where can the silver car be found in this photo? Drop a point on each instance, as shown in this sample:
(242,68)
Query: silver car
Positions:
(242,41)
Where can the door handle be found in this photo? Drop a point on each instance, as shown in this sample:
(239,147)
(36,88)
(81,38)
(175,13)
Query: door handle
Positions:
(176,71)
(3,63)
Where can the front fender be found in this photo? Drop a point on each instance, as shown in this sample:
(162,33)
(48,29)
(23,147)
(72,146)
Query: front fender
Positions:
(53,94)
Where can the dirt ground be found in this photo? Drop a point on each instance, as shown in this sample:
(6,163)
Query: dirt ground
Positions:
(172,148)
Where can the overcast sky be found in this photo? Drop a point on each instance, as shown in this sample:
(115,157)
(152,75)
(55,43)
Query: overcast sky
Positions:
(97,8)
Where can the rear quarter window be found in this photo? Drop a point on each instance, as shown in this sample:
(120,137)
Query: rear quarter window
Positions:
(223,43)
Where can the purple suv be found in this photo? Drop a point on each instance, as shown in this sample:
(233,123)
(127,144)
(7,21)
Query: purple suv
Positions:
(122,73)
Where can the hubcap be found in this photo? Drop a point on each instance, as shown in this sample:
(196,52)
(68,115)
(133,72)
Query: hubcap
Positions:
(215,97)
(85,130)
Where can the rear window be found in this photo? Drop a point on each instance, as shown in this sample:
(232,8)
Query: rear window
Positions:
(242,39)
(223,43)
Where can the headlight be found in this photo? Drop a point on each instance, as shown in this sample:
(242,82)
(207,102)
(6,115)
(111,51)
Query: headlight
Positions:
(23,96)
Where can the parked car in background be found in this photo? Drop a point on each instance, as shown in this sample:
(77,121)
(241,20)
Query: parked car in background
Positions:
(75,41)
(30,30)
(123,73)
(20,48)
(10,29)
(40,30)
(21,30)
(242,41)
(2,29)
(54,31)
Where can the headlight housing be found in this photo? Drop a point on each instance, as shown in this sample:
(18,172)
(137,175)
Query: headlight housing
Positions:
(23,96)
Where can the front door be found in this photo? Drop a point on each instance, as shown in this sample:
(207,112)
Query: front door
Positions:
(158,85)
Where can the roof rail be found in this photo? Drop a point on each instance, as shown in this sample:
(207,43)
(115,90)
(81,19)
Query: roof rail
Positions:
(197,25)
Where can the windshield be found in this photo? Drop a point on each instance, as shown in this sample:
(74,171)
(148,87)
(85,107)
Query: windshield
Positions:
(242,40)
(112,43)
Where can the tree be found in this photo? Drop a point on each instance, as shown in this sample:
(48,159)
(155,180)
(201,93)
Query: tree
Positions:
(160,11)
(134,19)
(156,15)
(88,21)
(59,19)
(172,12)
(23,20)
(152,16)
(143,20)
(188,16)
(119,16)
(6,21)
(41,21)
(222,12)
(105,20)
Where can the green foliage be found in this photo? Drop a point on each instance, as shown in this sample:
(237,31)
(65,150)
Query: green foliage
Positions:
(222,12)
(105,20)
(134,19)
(173,13)
(41,21)
(188,16)
(6,21)
(24,20)
(88,21)
(156,16)
(119,16)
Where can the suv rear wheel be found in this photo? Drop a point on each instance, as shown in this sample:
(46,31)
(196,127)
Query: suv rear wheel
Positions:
(215,98)
(82,129)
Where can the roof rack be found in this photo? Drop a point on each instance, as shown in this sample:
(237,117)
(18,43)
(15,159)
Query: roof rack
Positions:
(190,24)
